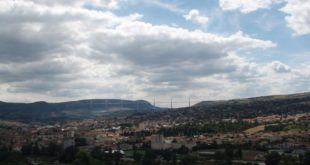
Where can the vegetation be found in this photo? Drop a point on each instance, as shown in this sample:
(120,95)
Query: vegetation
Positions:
(12,158)
(53,112)
(289,126)
(273,159)
(192,129)
(243,108)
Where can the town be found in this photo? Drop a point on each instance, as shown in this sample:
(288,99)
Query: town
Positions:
(272,139)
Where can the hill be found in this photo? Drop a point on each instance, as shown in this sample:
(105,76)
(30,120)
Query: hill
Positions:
(237,108)
(299,97)
(260,106)
(44,111)
(143,110)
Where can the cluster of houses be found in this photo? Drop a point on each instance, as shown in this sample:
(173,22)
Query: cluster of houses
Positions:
(110,134)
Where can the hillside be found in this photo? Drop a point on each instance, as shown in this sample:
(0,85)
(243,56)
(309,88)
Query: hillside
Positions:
(257,106)
(260,106)
(299,97)
(237,108)
(43,111)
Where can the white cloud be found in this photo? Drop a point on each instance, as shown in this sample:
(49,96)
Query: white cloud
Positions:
(173,7)
(195,16)
(63,52)
(298,17)
(109,4)
(279,67)
(246,6)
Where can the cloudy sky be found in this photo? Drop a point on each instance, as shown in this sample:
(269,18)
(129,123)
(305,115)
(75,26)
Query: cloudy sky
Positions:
(140,49)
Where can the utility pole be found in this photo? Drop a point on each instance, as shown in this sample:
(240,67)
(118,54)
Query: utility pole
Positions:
(171,106)
(91,103)
(189,103)
(154,104)
(137,104)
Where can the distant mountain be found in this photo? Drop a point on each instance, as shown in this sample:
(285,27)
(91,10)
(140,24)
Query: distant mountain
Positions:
(292,97)
(40,111)
(237,108)
(285,99)
(256,106)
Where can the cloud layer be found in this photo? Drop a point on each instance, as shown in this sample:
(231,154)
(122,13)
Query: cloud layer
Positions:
(298,11)
(246,6)
(195,16)
(63,52)
(298,17)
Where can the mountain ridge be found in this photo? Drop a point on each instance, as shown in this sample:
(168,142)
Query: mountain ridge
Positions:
(90,108)
(42,110)
(304,95)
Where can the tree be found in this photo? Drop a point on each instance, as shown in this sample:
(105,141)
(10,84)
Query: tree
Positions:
(4,154)
(229,150)
(183,150)
(238,153)
(107,155)
(26,149)
(53,149)
(174,158)
(97,153)
(218,156)
(214,145)
(300,159)
(137,156)
(69,154)
(117,156)
(36,149)
(273,159)
(288,160)
(80,142)
(167,155)
(307,158)
(189,160)
(229,153)
(82,158)
(14,158)
(149,157)
(150,154)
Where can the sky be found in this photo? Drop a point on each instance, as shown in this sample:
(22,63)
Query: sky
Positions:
(153,49)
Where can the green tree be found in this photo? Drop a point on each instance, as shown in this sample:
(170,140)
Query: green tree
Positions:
(149,157)
(80,142)
(273,159)
(300,159)
(307,158)
(4,154)
(117,156)
(229,153)
(68,155)
(238,153)
(218,156)
(137,156)
(53,149)
(288,160)
(189,160)
(26,149)
(82,158)
(183,150)
(167,155)
(97,153)
(174,158)
(150,154)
